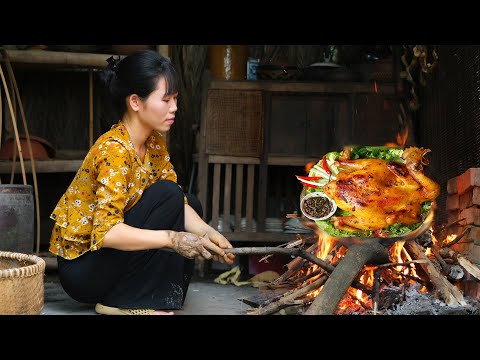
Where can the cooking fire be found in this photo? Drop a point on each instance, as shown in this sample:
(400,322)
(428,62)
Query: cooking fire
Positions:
(374,251)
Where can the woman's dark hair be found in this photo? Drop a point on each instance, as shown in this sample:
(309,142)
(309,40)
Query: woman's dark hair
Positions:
(138,74)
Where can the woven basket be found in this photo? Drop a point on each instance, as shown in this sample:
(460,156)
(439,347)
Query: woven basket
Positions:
(21,284)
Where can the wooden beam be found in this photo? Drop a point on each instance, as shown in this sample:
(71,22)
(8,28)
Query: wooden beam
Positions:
(55,57)
(43,166)
(304,86)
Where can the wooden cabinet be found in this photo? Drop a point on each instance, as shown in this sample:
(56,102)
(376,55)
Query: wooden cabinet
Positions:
(294,123)
(301,125)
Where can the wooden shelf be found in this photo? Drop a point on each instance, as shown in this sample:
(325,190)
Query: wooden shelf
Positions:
(42,166)
(69,59)
(304,86)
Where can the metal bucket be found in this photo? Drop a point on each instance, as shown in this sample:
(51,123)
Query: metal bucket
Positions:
(16,218)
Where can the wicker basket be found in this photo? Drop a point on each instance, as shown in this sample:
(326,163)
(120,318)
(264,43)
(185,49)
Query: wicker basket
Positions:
(21,284)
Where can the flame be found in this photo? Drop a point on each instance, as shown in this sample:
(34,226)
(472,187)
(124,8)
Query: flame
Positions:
(308,166)
(375,87)
(356,300)
(402,138)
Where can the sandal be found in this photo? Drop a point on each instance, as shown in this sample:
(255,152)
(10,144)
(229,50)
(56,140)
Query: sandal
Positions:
(109,310)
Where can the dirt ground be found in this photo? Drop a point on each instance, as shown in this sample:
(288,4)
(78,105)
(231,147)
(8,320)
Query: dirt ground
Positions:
(204,297)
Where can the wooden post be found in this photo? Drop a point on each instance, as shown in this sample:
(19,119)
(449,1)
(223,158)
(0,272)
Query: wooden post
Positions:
(164,50)
(90,108)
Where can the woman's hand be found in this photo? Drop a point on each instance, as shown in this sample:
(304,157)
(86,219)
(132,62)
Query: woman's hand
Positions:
(217,242)
(190,245)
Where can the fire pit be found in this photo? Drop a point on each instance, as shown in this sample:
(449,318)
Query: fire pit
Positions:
(375,262)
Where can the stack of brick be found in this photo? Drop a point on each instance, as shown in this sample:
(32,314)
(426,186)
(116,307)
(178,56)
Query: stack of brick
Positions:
(463,202)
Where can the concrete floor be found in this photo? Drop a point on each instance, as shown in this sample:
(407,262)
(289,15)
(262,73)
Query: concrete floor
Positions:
(204,297)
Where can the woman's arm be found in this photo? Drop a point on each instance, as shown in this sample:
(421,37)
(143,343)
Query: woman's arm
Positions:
(128,238)
(215,240)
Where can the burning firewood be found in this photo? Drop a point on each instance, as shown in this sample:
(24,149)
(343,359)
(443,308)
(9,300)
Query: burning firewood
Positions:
(462,260)
(449,293)
(287,299)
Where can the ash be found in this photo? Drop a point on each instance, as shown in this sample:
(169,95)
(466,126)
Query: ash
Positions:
(413,302)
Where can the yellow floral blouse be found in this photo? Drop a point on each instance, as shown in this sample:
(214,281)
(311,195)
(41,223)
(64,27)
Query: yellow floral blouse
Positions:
(110,181)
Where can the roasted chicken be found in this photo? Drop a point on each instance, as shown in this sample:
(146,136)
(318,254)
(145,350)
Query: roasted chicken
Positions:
(380,193)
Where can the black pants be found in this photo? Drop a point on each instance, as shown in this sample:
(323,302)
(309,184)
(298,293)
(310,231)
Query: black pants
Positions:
(146,279)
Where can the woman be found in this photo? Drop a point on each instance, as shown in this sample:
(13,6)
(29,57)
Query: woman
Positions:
(125,235)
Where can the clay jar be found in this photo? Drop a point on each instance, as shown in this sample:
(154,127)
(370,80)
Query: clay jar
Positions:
(228,62)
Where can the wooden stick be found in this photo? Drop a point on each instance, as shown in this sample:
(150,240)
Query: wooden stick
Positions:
(294,265)
(1,121)
(454,223)
(294,252)
(284,301)
(406,263)
(458,238)
(14,162)
(411,277)
(281,251)
(376,289)
(14,122)
(289,273)
(90,107)
(309,276)
(29,145)
(310,249)
(450,294)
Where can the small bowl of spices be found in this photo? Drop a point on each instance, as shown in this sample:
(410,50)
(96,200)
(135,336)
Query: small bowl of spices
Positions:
(317,206)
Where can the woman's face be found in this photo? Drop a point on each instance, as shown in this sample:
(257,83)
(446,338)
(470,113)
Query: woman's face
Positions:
(158,110)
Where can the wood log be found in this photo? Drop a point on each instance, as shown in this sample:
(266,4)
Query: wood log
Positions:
(294,252)
(281,251)
(294,265)
(359,254)
(463,261)
(55,57)
(449,293)
(286,300)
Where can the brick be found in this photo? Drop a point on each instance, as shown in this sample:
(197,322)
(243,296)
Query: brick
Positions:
(471,215)
(452,202)
(468,179)
(476,196)
(452,216)
(465,200)
(471,288)
(452,185)
(469,198)
(462,247)
(473,235)
(475,254)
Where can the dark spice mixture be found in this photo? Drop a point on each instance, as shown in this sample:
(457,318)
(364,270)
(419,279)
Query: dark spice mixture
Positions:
(317,206)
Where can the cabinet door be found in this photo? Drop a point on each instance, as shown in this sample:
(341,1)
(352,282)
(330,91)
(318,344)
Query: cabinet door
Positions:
(303,125)
(375,120)
(322,118)
(287,125)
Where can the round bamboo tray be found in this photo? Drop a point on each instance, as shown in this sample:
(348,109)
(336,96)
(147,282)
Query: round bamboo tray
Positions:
(21,284)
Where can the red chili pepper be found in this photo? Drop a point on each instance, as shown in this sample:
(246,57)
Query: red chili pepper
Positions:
(308,177)
(308,185)
(325,166)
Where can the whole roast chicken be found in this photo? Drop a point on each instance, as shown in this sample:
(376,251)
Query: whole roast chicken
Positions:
(379,193)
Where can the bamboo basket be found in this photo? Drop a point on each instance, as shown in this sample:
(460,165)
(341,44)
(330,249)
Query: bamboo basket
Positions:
(21,284)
